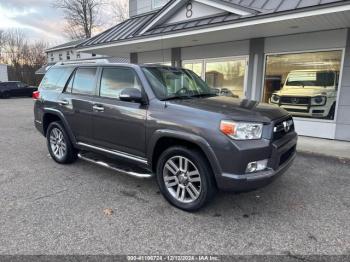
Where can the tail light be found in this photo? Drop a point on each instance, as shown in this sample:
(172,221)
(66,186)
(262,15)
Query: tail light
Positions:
(36,95)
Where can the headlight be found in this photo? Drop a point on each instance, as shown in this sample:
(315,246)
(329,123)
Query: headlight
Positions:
(241,130)
(318,101)
(275,99)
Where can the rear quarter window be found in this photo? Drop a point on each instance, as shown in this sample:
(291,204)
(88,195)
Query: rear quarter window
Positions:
(56,79)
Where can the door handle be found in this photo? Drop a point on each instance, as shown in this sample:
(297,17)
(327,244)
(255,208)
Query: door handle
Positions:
(63,102)
(98,108)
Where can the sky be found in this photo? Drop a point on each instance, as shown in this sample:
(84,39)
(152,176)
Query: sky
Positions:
(37,18)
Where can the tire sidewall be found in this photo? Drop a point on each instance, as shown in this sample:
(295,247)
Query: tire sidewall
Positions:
(67,158)
(197,159)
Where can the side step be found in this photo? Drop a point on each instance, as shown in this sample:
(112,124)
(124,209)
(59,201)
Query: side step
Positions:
(116,165)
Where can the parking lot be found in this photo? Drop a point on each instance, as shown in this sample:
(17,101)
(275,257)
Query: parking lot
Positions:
(47,208)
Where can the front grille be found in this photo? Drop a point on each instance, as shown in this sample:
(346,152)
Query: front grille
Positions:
(287,155)
(297,110)
(280,129)
(294,100)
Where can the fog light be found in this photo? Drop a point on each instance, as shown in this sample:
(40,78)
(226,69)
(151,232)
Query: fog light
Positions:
(256,166)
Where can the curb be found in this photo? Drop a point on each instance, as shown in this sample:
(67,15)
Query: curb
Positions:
(341,159)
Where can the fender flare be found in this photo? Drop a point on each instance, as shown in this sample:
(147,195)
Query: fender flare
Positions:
(60,115)
(189,137)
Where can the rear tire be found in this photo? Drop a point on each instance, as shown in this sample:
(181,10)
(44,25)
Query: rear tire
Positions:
(59,145)
(185,178)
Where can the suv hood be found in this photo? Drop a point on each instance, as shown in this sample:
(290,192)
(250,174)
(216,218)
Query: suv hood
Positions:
(234,108)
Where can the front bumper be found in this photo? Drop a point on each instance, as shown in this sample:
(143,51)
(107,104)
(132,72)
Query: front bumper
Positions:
(283,155)
(307,111)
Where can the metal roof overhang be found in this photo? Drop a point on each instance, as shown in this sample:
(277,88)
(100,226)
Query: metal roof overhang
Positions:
(335,17)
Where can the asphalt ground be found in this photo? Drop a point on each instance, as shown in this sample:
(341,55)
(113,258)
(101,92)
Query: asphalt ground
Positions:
(46,208)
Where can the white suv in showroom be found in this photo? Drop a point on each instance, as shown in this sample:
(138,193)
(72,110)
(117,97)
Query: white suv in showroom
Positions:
(309,93)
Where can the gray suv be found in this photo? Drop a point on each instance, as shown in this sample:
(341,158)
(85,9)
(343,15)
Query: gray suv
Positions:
(146,120)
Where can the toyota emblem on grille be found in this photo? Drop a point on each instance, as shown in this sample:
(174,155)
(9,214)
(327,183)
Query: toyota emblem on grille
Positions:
(286,126)
(294,100)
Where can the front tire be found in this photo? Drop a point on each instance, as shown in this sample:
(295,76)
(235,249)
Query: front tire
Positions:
(185,179)
(59,145)
(5,95)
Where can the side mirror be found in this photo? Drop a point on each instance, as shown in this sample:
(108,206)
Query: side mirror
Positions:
(131,95)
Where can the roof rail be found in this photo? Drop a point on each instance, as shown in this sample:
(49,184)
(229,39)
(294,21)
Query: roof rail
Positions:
(79,62)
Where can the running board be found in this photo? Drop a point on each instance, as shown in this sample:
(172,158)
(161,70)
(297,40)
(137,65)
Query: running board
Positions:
(118,167)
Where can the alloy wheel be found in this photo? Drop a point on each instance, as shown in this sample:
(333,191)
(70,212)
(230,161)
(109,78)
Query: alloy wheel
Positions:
(58,143)
(182,179)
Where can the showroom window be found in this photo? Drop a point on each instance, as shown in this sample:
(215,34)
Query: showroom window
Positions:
(227,76)
(305,84)
(196,67)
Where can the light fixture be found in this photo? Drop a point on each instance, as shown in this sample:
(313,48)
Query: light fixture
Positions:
(257,166)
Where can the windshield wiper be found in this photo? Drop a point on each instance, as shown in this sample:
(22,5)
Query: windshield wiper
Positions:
(175,97)
(204,95)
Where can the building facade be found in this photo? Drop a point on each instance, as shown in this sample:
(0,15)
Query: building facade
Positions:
(139,7)
(292,54)
(68,52)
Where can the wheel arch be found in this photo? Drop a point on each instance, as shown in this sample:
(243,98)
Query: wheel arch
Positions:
(163,139)
(52,115)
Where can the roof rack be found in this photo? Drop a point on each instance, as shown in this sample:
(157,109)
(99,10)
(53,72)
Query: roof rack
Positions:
(79,62)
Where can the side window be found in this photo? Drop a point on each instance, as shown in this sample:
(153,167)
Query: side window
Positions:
(84,81)
(114,80)
(21,85)
(56,79)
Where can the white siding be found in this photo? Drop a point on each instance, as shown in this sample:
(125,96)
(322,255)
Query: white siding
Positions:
(238,48)
(308,41)
(154,56)
(73,55)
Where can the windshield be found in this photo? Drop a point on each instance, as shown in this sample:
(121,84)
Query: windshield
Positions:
(311,78)
(170,83)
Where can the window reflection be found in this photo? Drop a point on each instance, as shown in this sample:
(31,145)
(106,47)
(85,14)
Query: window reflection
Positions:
(195,67)
(304,84)
(115,80)
(226,77)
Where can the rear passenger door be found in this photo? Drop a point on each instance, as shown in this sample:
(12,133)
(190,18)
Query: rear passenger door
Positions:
(76,102)
(117,124)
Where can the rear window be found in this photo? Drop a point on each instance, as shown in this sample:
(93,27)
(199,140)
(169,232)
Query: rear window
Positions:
(56,79)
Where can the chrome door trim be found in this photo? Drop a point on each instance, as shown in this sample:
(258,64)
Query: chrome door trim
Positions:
(116,153)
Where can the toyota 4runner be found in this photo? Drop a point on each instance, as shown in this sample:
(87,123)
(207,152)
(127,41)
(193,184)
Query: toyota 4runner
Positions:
(146,120)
